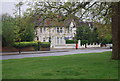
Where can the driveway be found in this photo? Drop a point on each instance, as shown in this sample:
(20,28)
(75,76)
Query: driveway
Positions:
(55,53)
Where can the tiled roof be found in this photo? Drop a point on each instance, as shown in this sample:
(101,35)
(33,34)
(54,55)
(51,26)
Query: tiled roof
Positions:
(58,21)
(54,22)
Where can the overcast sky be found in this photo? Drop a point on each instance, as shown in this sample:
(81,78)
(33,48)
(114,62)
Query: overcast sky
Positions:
(8,6)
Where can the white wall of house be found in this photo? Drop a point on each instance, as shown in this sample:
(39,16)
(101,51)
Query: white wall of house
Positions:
(58,35)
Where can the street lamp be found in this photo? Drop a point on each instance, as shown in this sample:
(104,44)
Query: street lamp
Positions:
(19,40)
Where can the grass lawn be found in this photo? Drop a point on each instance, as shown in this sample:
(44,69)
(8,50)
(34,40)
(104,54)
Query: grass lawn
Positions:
(78,66)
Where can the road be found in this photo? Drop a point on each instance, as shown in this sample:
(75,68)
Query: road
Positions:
(63,52)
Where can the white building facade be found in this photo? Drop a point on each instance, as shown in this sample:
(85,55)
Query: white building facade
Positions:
(57,35)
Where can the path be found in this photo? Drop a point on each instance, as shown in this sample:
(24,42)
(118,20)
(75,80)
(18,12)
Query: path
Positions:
(55,53)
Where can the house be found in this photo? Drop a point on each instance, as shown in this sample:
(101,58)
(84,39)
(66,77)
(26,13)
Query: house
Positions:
(58,31)
(55,31)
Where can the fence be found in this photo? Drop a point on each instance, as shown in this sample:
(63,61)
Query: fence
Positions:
(90,45)
(74,46)
(94,45)
(65,46)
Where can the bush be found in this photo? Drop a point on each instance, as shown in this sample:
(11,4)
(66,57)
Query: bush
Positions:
(45,44)
(25,44)
(106,41)
(83,42)
(35,44)
(71,41)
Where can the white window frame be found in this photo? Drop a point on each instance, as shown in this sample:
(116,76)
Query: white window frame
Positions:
(44,39)
(41,30)
(59,29)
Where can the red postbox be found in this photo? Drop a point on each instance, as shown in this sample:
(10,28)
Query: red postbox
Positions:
(76,46)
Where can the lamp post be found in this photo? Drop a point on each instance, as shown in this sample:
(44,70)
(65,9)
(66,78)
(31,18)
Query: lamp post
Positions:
(49,35)
(19,40)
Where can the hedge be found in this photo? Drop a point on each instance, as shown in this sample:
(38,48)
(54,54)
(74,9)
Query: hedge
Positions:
(106,42)
(26,44)
(36,44)
(45,44)
(76,41)
(83,42)
(71,41)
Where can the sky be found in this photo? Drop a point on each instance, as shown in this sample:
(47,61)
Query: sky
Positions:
(8,6)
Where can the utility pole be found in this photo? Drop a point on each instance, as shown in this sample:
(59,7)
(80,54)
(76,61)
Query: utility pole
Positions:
(19,8)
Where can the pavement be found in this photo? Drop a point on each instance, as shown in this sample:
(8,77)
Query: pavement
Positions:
(52,52)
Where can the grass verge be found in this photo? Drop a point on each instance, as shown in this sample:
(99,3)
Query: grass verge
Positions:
(78,66)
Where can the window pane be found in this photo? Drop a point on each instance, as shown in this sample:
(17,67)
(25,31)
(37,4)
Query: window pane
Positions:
(57,29)
(43,39)
(61,40)
(41,30)
(61,30)
(57,40)
(44,28)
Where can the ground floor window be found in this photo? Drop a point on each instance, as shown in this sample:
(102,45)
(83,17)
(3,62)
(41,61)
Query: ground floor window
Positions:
(43,39)
(60,40)
(57,40)
(49,39)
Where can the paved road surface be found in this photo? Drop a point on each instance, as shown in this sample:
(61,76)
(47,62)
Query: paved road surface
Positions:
(67,52)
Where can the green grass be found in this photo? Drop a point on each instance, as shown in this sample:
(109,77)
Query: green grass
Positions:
(79,66)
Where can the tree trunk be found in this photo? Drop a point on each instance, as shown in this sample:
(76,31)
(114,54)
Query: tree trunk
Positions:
(115,30)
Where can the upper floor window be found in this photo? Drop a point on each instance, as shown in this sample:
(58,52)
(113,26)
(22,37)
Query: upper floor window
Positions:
(44,29)
(68,29)
(41,30)
(59,30)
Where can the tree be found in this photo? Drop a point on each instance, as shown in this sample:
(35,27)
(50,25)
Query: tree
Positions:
(27,29)
(93,11)
(115,30)
(85,32)
(7,30)
(24,25)
(104,32)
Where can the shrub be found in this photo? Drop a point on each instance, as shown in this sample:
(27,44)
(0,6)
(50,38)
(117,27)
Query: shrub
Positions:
(84,42)
(25,44)
(106,41)
(71,41)
(45,44)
